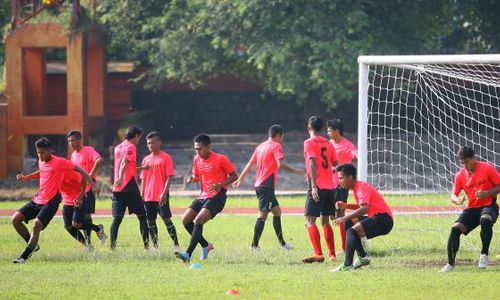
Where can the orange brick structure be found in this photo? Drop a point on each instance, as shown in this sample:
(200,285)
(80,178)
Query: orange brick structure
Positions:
(33,107)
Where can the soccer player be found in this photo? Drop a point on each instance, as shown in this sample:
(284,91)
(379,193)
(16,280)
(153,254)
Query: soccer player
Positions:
(320,158)
(43,207)
(372,212)
(481,183)
(157,172)
(89,160)
(125,188)
(73,195)
(215,172)
(346,153)
(268,157)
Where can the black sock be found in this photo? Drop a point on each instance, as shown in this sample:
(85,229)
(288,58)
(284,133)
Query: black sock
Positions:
(486,234)
(114,230)
(76,234)
(88,227)
(153,231)
(278,230)
(143,226)
(195,238)
(171,231)
(257,231)
(189,227)
(27,252)
(353,244)
(453,245)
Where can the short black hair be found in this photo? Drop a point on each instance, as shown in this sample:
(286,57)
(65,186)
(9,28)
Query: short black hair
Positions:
(202,139)
(347,169)
(153,134)
(275,130)
(336,124)
(316,123)
(77,134)
(465,152)
(132,132)
(43,142)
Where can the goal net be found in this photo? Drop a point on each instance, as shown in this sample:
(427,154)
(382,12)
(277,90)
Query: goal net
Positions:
(415,113)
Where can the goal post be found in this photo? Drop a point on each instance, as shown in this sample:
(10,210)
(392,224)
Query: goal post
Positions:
(416,110)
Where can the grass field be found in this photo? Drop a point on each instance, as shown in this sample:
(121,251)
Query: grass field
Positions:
(285,201)
(405,265)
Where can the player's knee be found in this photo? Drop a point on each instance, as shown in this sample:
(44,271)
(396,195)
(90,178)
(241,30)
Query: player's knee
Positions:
(351,233)
(77,225)
(37,225)
(455,231)
(486,221)
(17,218)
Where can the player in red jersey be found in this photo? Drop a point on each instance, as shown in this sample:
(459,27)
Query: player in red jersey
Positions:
(43,207)
(320,159)
(268,158)
(157,173)
(125,188)
(87,158)
(481,183)
(214,172)
(374,216)
(346,154)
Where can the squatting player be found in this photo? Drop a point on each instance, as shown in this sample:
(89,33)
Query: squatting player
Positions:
(268,158)
(215,172)
(481,183)
(43,207)
(320,158)
(374,216)
(157,172)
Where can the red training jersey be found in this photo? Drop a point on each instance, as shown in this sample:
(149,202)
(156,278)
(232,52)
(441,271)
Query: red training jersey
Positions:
(266,157)
(51,177)
(71,187)
(215,169)
(85,159)
(484,177)
(125,150)
(161,166)
(346,152)
(322,150)
(367,194)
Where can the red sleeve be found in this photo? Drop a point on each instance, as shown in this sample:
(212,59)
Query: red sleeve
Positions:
(66,165)
(142,171)
(130,154)
(309,150)
(363,197)
(227,166)
(334,154)
(93,154)
(196,171)
(457,185)
(493,175)
(169,166)
(278,153)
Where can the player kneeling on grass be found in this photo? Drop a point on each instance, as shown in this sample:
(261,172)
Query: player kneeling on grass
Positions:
(43,207)
(481,183)
(157,172)
(215,172)
(374,216)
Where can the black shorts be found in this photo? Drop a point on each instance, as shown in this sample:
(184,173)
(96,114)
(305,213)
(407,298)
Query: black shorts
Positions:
(377,225)
(132,200)
(215,204)
(89,202)
(154,208)
(73,214)
(44,213)
(324,206)
(267,198)
(470,217)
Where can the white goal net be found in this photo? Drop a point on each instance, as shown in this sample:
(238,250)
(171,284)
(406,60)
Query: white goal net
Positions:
(415,113)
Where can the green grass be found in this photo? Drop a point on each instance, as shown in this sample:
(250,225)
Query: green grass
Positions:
(285,201)
(405,265)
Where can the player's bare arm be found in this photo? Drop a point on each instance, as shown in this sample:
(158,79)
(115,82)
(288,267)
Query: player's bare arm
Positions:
(283,165)
(32,176)
(97,164)
(166,188)
(86,176)
(230,179)
(312,181)
(355,214)
(489,193)
(123,167)
(244,174)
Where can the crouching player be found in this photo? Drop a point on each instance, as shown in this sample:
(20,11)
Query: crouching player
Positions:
(481,183)
(372,212)
(43,207)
